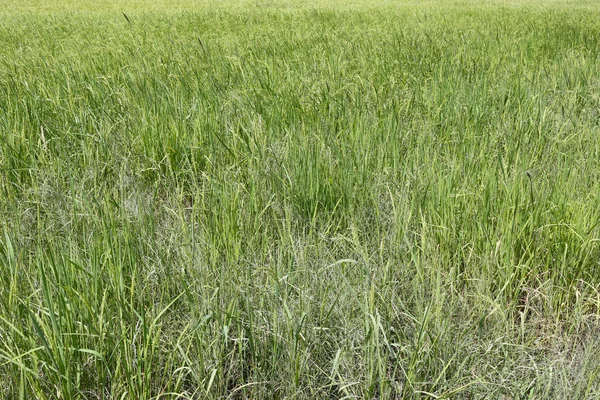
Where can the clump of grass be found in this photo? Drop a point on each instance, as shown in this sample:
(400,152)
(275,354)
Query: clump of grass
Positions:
(250,200)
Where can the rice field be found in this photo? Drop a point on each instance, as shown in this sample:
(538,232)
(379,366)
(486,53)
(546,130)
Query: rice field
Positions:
(319,199)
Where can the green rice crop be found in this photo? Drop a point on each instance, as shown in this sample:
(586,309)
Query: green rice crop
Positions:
(285,199)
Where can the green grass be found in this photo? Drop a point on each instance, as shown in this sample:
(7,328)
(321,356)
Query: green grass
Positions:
(259,199)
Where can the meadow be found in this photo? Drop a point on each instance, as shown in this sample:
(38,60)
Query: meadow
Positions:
(299,200)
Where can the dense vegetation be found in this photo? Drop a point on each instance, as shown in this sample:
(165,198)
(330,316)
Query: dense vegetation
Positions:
(299,200)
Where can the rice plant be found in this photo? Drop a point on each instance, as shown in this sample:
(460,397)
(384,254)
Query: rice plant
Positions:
(322,199)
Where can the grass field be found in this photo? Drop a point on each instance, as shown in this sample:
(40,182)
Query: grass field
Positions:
(303,199)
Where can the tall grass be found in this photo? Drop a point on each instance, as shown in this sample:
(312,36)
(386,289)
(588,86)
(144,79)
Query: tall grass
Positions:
(322,200)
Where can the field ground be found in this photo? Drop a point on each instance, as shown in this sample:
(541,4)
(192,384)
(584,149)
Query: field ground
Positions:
(299,199)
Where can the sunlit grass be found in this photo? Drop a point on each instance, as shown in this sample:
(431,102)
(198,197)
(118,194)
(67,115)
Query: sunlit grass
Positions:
(299,200)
